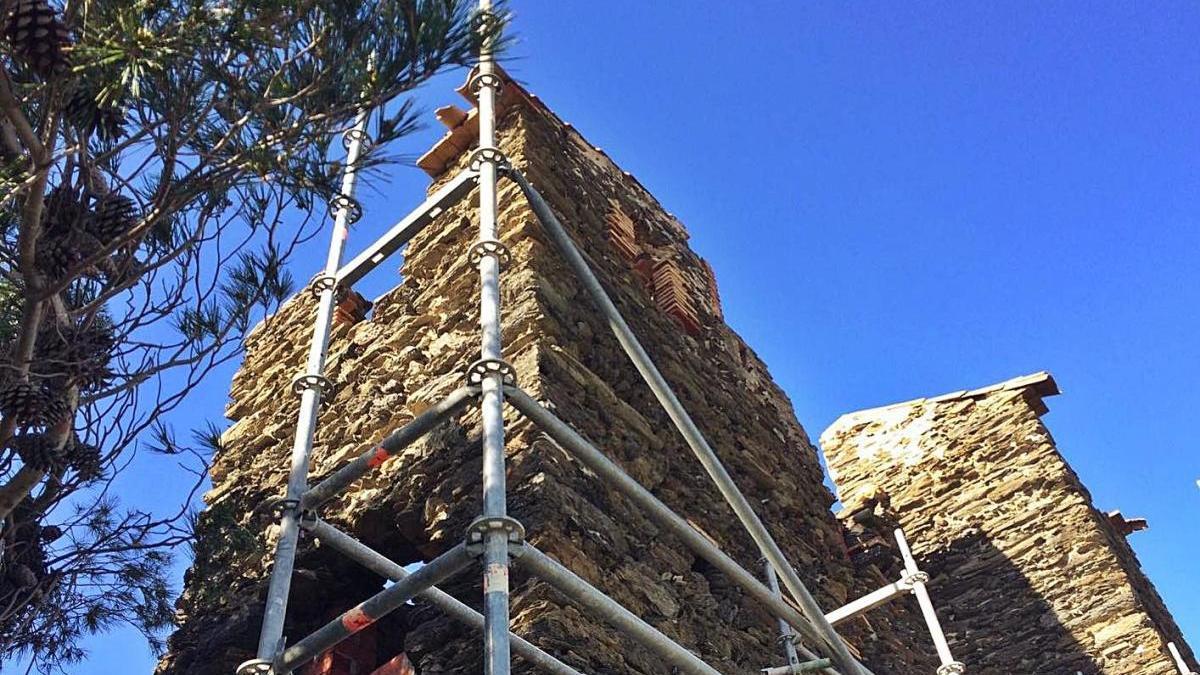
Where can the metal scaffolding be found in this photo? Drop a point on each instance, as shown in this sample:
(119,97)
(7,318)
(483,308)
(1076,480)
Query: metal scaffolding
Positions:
(495,540)
(1178,659)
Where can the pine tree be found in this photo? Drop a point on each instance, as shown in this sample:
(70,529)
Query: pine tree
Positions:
(159,162)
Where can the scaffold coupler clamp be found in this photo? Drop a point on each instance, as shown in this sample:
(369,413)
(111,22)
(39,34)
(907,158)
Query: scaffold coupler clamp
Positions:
(254,667)
(910,580)
(479,528)
(490,247)
(952,668)
(485,368)
(488,156)
(307,517)
(282,505)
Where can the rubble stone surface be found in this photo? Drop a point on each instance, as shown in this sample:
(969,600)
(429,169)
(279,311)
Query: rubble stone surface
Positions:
(1028,576)
(412,351)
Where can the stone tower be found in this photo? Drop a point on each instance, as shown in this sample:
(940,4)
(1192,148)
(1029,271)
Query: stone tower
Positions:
(410,352)
(1029,576)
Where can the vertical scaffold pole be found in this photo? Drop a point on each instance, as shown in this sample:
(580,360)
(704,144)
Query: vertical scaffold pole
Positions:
(309,386)
(917,578)
(786,635)
(495,500)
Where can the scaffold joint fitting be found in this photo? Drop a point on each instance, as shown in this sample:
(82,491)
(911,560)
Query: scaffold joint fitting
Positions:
(484,368)
(307,381)
(323,282)
(492,247)
(479,528)
(357,135)
(487,156)
(282,505)
(911,579)
(254,667)
(481,80)
(344,202)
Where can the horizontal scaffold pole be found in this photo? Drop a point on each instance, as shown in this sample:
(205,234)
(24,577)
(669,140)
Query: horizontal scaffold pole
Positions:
(374,608)
(395,442)
(658,512)
(408,227)
(867,602)
(683,422)
(388,569)
(604,607)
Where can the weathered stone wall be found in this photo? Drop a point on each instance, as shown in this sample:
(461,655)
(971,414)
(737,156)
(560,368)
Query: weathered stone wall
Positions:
(412,351)
(1027,575)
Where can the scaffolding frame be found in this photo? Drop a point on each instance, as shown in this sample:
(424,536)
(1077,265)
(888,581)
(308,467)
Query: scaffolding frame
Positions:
(494,539)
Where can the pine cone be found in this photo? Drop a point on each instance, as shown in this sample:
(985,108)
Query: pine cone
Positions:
(32,404)
(92,117)
(85,459)
(114,216)
(37,450)
(65,241)
(80,354)
(50,534)
(59,255)
(65,210)
(38,36)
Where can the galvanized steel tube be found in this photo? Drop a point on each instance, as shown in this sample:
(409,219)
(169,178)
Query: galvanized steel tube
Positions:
(586,595)
(388,569)
(683,422)
(798,668)
(496,658)
(786,634)
(1178,658)
(270,637)
(374,608)
(658,512)
(867,602)
(949,665)
(395,442)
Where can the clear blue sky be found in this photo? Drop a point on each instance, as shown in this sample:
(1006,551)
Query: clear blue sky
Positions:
(905,199)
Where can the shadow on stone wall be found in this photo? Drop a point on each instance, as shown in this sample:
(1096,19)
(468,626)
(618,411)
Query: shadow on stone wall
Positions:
(997,624)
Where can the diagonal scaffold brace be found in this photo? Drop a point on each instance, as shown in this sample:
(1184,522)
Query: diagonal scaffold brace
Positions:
(1180,664)
(587,596)
(687,427)
(581,449)
(372,609)
(381,565)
